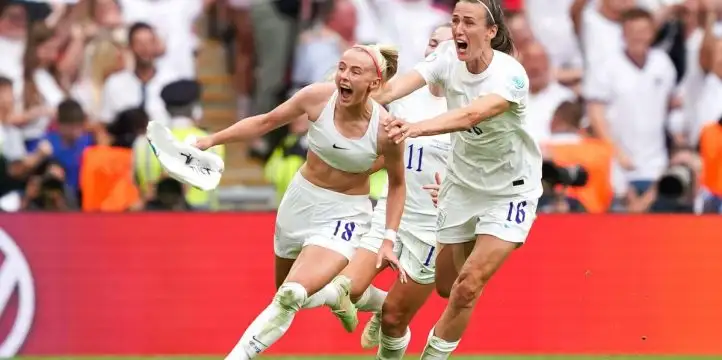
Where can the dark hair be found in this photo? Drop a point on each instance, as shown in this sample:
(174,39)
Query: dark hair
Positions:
(571,112)
(51,183)
(136,27)
(43,168)
(169,186)
(636,14)
(4,81)
(127,126)
(70,112)
(502,41)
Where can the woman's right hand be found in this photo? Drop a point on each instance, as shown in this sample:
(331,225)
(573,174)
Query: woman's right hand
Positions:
(433,189)
(203,143)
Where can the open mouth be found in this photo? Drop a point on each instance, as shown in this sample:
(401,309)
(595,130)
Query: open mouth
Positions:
(461,45)
(345,91)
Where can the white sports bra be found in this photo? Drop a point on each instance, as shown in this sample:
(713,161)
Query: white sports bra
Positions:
(339,152)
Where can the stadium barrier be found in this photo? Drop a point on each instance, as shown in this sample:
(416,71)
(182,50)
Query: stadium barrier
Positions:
(188,283)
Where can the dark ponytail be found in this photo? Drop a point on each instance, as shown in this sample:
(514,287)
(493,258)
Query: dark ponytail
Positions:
(502,41)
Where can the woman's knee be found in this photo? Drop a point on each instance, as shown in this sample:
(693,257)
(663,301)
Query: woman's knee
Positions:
(466,289)
(291,296)
(393,319)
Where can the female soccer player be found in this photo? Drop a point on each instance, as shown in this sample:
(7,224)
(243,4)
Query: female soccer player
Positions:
(425,159)
(326,208)
(489,196)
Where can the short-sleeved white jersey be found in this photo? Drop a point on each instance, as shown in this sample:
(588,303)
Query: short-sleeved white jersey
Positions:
(497,156)
(424,156)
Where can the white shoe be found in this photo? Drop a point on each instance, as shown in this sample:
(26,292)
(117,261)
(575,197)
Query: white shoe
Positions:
(371,334)
(345,310)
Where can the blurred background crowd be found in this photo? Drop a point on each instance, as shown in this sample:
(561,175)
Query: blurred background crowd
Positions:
(626,95)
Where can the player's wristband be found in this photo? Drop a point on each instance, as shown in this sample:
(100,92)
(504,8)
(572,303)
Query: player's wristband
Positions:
(390,234)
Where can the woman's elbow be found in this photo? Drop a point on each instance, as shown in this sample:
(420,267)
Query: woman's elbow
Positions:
(397,187)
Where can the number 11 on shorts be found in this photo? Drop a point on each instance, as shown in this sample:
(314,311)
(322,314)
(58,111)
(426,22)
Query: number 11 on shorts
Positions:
(516,212)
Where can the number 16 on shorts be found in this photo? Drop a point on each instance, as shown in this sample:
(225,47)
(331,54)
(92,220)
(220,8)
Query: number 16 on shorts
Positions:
(516,212)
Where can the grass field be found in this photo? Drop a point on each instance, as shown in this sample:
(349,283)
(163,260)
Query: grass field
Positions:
(414,356)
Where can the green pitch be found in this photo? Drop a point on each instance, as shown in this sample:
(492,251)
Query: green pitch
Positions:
(414,356)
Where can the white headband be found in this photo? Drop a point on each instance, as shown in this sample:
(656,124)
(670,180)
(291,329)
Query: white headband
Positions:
(487,10)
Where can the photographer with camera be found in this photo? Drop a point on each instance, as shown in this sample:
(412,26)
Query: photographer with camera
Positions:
(576,172)
(48,190)
(677,191)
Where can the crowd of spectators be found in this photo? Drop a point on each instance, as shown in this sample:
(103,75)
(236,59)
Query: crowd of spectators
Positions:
(79,81)
(626,95)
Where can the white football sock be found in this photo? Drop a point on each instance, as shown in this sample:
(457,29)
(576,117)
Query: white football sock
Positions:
(271,324)
(437,348)
(328,295)
(391,348)
(371,300)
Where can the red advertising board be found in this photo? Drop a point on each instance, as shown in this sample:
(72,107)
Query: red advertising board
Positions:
(191,283)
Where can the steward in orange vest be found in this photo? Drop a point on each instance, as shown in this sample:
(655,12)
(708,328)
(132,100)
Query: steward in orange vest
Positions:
(567,146)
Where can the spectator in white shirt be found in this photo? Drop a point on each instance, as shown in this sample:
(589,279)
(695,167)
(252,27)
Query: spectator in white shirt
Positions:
(709,107)
(173,21)
(141,86)
(320,47)
(601,32)
(103,21)
(104,17)
(405,23)
(693,78)
(39,87)
(20,163)
(545,93)
(106,59)
(628,105)
(520,30)
(552,26)
(13,31)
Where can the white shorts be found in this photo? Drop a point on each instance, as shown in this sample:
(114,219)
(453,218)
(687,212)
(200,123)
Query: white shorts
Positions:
(464,213)
(311,215)
(415,255)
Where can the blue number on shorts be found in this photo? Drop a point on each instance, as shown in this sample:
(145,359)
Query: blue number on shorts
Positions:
(475,130)
(428,258)
(409,165)
(348,230)
(520,213)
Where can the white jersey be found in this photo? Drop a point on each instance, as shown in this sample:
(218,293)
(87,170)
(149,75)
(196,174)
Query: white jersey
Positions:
(424,156)
(497,156)
(338,151)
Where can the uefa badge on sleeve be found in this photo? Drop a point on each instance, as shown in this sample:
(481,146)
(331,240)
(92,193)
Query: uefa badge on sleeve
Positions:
(518,82)
(517,86)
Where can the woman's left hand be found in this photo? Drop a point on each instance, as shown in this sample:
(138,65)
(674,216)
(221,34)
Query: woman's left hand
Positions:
(386,253)
(398,129)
